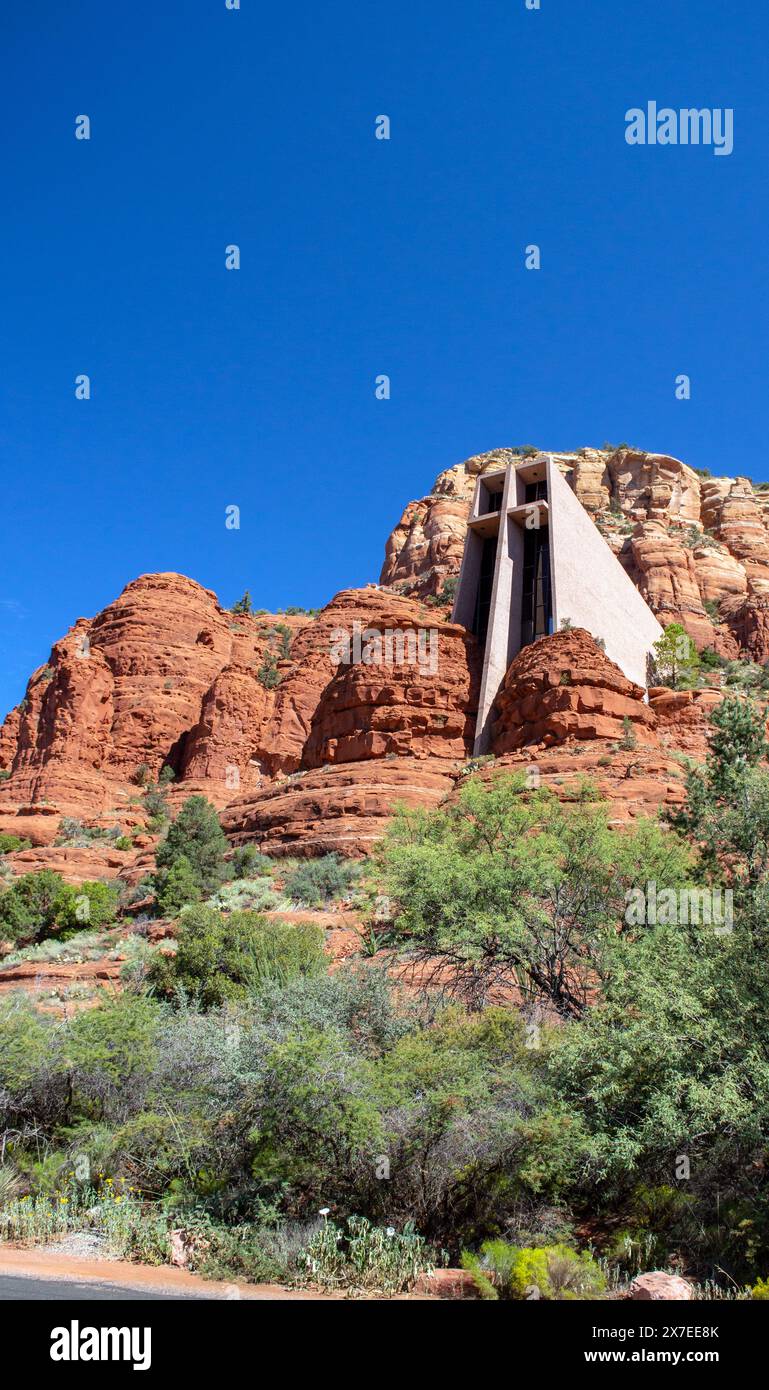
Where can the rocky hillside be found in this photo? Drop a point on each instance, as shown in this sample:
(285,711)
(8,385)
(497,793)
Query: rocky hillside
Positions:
(304,753)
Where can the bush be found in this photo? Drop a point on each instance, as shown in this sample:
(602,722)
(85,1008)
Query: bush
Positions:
(268,674)
(41,904)
(319,881)
(248,862)
(551,1272)
(9,844)
(257,895)
(220,958)
(362,1256)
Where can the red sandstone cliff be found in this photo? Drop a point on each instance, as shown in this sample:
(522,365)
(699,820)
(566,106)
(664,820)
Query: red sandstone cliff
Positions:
(304,752)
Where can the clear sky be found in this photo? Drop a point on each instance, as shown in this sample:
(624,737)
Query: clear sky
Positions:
(360,256)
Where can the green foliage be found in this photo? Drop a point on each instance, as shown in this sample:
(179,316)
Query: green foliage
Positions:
(629,742)
(177,887)
(257,895)
(319,881)
(9,844)
(91,904)
(222,958)
(710,660)
(155,805)
(248,862)
(760,1290)
(197,837)
(676,658)
(242,605)
(268,674)
(552,1272)
(362,1256)
(516,886)
(41,904)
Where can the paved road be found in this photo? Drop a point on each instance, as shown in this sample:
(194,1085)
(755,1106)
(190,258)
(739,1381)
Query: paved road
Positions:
(59,1290)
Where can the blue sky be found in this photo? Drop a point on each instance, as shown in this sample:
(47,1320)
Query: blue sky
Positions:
(359,257)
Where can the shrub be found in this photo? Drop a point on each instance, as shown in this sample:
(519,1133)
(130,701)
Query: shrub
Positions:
(248,862)
(760,1290)
(676,659)
(242,605)
(362,1256)
(268,674)
(257,894)
(9,844)
(38,904)
(319,881)
(220,958)
(551,1271)
(629,742)
(90,904)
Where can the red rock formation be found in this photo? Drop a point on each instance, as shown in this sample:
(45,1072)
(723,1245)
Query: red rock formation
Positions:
(342,809)
(419,707)
(165,676)
(565,687)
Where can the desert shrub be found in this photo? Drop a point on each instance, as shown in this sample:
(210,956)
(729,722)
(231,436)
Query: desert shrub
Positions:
(362,1256)
(90,904)
(268,674)
(508,883)
(222,958)
(177,887)
(319,881)
(256,895)
(38,905)
(552,1272)
(710,660)
(246,1252)
(248,862)
(9,844)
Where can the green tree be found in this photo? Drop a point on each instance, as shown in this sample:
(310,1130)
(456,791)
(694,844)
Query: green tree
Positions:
(676,658)
(177,886)
(516,888)
(196,836)
(242,605)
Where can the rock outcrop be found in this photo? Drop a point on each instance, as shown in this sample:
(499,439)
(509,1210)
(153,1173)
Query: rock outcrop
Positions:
(565,687)
(342,809)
